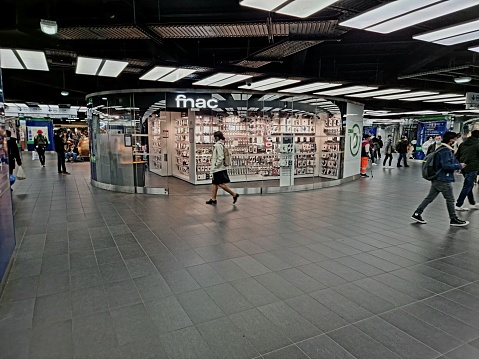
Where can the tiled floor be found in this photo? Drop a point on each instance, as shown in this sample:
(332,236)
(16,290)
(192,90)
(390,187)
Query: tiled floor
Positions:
(338,273)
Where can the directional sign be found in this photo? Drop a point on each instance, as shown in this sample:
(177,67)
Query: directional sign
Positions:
(472,100)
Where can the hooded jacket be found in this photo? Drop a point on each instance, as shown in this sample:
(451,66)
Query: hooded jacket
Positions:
(445,163)
(468,153)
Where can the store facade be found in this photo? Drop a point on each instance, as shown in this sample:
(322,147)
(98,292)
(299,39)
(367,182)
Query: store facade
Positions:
(144,141)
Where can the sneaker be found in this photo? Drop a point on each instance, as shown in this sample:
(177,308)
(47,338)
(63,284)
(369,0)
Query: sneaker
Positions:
(462,209)
(211,202)
(43,165)
(399,166)
(406,166)
(375,164)
(475,206)
(456,222)
(418,218)
(235,198)
(66,173)
(364,175)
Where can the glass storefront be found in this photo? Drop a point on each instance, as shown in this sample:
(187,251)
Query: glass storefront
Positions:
(153,141)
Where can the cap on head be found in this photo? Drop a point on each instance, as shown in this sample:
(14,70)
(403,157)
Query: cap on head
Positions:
(39,132)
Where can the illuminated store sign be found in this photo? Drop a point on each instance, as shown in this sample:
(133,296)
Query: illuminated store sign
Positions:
(184,102)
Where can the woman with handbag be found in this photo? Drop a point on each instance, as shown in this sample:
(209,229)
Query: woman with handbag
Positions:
(219,162)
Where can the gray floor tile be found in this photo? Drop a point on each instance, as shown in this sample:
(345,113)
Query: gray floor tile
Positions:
(168,314)
(423,281)
(323,347)
(464,352)
(259,331)
(365,299)
(377,262)
(49,283)
(226,340)
(396,340)
(122,293)
(442,321)
(291,352)
(152,286)
(322,275)
(166,262)
(20,289)
(278,286)
(309,254)
(454,309)
(186,344)
(199,306)
(52,308)
(103,242)
(87,301)
(84,278)
(301,280)
(381,290)
(188,257)
(228,298)
(361,345)
(15,343)
(254,292)
(108,255)
(425,333)
(93,334)
(131,251)
(341,305)
(52,340)
(319,315)
(229,270)
(205,275)
(413,290)
(132,323)
(25,268)
(80,260)
(16,316)
(463,298)
(108,354)
(293,325)
(140,267)
(251,265)
(58,263)
(341,270)
(149,348)
(271,261)
(180,281)
(114,272)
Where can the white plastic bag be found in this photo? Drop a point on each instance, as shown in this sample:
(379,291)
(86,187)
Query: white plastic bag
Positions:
(34,155)
(20,173)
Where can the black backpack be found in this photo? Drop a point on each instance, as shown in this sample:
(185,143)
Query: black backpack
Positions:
(428,171)
(40,140)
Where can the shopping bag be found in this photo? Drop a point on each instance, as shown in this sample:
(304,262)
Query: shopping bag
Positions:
(20,174)
(34,155)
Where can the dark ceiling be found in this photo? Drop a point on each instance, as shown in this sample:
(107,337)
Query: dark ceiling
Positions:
(213,35)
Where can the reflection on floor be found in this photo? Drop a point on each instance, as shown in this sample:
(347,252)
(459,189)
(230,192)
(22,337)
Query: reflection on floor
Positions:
(334,273)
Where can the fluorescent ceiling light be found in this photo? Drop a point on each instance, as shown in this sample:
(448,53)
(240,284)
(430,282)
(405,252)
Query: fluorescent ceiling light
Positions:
(386,12)
(8,60)
(176,75)
(407,95)
(48,27)
(34,60)
(157,72)
(311,87)
(447,32)
(346,90)
(463,80)
(112,68)
(87,65)
(277,84)
(255,85)
(231,80)
(267,5)
(474,48)
(270,97)
(378,93)
(240,97)
(457,102)
(432,12)
(270,83)
(461,98)
(435,97)
(304,8)
(212,79)
(295,98)
(459,39)
(218,97)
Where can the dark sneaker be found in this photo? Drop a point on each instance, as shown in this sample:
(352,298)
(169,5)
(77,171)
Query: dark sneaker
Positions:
(364,175)
(66,173)
(456,222)
(406,166)
(211,202)
(418,218)
(399,166)
(235,198)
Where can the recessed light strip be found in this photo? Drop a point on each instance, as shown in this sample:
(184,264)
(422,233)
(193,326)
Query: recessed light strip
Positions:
(231,80)
(255,85)
(346,90)
(407,95)
(268,5)
(447,32)
(276,85)
(112,68)
(378,93)
(33,60)
(176,75)
(435,97)
(157,72)
(212,79)
(87,65)
(305,8)
(311,87)
(8,60)
(459,39)
(461,98)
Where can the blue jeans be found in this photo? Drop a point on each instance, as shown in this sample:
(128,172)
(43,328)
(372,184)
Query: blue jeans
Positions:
(402,156)
(469,180)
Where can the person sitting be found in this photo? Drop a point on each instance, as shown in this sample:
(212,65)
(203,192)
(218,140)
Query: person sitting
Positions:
(70,154)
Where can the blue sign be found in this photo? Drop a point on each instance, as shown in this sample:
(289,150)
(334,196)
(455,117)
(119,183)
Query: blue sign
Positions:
(425,130)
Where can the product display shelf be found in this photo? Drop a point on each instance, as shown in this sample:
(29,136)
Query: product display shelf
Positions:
(155,148)
(181,167)
(331,147)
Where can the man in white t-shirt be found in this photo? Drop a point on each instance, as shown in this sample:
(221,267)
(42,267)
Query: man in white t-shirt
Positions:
(425,145)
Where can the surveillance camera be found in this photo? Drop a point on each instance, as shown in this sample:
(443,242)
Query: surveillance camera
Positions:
(248,82)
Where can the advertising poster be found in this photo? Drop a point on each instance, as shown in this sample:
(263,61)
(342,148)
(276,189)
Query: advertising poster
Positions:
(425,130)
(354,135)
(32,132)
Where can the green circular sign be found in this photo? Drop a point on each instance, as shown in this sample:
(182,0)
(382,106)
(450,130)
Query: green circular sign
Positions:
(355,140)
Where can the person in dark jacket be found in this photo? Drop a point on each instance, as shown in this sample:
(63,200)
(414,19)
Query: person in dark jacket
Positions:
(445,164)
(60,150)
(437,143)
(13,152)
(401,148)
(468,153)
(40,143)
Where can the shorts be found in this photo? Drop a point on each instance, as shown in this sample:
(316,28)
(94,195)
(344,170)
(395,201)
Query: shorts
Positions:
(221,177)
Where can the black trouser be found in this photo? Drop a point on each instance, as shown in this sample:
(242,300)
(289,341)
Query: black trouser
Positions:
(41,155)
(404,157)
(61,162)
(390,156)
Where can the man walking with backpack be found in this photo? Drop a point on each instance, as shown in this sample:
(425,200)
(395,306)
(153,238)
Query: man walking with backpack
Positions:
(443,165)
(468,153)
(40,142)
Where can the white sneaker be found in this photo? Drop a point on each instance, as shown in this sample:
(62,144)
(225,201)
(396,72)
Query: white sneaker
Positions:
(375,164)
(475,206)
(462,209)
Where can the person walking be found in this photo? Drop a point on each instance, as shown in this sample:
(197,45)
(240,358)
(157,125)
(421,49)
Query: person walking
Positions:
(444,165)
(60,150)
(365,145)
(40,143)
(218,170)
(468,153)
(380,145)
(13,152)
(426,144)
(388,152)
(402,149)
(437,143)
